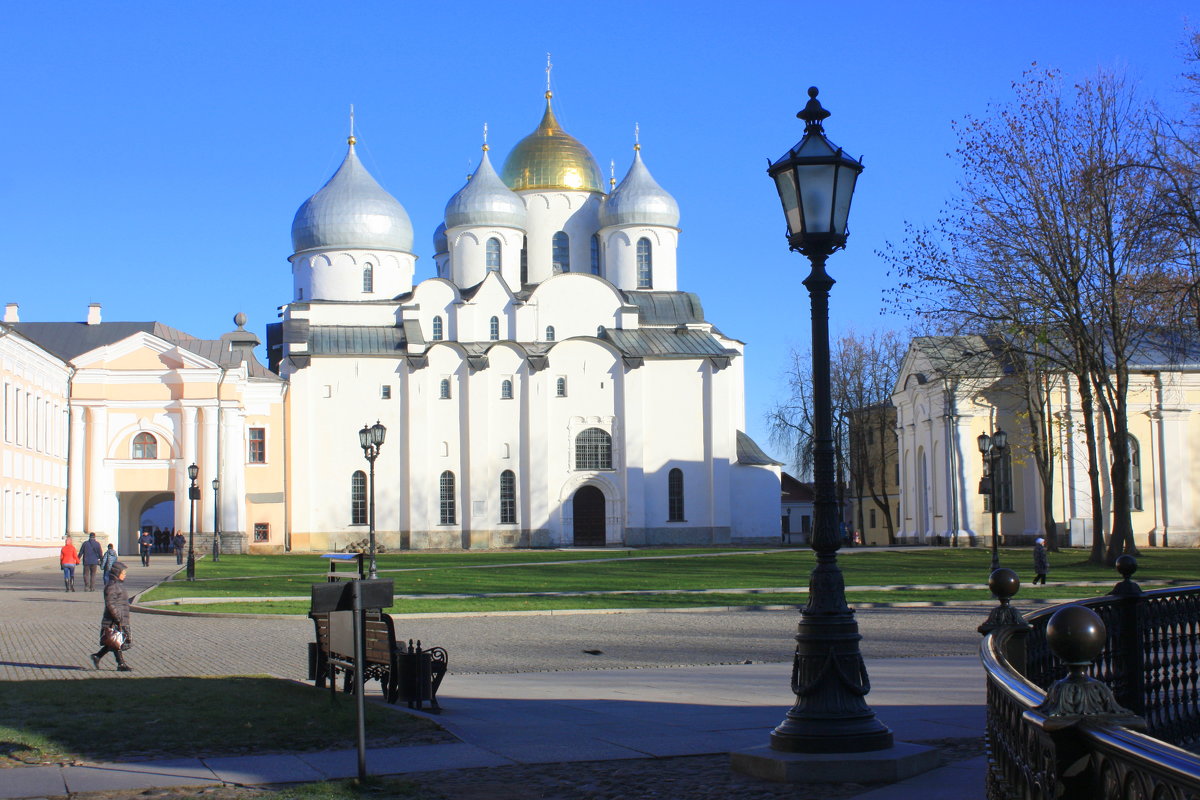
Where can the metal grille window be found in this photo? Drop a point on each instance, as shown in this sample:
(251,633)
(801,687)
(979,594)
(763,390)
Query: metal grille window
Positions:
(595,254)
(493,254)
(368,278)
(1135,475)
(506,389)
(145,446)
(549,333)
(524,261)
(447,511)
(675,495)
(645,265)
(262,532)
(560,387)
(358,498)
(494,329)
(437,329)
(560,253)
(593,449)
(508,498)
(444,389)
(257,452)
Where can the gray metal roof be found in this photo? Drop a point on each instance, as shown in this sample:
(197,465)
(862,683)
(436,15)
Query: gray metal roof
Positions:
(666,308)
(665,342)
(362,340)
(485,200)
(748,452)
(639,200)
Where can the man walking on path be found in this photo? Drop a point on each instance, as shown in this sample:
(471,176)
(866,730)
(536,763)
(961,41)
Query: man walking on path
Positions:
(178,541)
(90,554)
(145,542)
(110,558)
(68,559)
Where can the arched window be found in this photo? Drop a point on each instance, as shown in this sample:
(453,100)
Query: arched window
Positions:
(358,498)
(645,265)
(494,329)
(1135,475)
(444,389)
(560,253)
(508,498)
(145,446)
(506,389)
(675,495)
(560,387)
(493,254)
(525,261)
(595,254)
(368,278)
(549,333)
(446,507)
(593,449)
(437,329)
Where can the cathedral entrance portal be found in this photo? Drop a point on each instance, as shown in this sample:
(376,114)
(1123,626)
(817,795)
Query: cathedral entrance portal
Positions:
(588,510)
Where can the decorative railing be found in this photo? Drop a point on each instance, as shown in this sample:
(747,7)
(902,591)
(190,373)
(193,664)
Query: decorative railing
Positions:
(1071,688)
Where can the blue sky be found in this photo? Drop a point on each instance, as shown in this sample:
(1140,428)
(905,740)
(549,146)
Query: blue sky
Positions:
(156,153)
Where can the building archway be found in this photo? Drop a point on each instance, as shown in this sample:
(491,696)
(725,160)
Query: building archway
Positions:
(587,510)
(133,508)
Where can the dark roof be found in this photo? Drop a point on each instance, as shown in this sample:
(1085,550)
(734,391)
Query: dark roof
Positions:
(337,340)
(795,491)
(666,308)
(748,452)
(666,342)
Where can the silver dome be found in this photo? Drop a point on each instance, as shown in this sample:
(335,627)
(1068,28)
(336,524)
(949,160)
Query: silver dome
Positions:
(440,243)
(485,200)
(639,200)
(352,211)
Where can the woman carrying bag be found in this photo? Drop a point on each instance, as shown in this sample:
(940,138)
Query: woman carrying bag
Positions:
(114,625)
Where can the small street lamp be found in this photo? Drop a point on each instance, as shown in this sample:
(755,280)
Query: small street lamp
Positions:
(371,439)
(216,520)
(193,496)
(815,180)
(993,449)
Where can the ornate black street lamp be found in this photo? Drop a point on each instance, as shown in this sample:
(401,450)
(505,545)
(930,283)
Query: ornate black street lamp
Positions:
(371,439)
(993,448)
(815,180)
(193,496)
(216,520)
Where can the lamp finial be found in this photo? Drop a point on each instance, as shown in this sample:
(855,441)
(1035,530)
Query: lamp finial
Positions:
(814,113)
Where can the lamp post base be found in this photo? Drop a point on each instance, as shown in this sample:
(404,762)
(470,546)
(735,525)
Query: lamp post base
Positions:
(896,763)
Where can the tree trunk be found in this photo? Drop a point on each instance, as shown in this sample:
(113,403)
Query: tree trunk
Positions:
(1088,410)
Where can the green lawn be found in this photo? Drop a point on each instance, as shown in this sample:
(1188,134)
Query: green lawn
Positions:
(98,719)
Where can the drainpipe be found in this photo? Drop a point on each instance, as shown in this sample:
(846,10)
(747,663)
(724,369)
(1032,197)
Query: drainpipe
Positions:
(952,450)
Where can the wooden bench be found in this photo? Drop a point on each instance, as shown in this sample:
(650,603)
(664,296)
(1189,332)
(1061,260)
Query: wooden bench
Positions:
(388,661)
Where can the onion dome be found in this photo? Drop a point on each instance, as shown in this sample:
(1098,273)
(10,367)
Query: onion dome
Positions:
(639,200)
(485,200)
(352,211)
(551,158)
(440,243)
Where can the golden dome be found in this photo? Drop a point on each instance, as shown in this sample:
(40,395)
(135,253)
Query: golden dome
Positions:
(551,158)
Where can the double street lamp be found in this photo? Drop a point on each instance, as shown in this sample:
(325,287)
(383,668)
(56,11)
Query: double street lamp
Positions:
(993,449)
(815,180)
(371,439)
(193,496)
(216,484)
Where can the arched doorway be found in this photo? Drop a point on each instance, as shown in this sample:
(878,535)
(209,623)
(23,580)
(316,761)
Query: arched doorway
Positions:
(588,511)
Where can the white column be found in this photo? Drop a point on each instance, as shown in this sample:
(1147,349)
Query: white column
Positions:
(76,466)
(187,455)
(208,469)
(97,443)
(1180,526)
(233,470)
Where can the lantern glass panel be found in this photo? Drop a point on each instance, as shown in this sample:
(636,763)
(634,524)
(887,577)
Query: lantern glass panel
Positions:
(985,442)
(785,184)
(364,437)
(377,434)
(816,196)
(1000,438)
(846,178)
(193,471)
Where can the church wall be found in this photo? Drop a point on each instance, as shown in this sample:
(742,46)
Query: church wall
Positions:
(620,247)
(575,213)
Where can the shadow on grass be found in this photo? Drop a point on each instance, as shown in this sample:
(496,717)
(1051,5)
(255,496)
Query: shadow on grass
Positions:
(142,718)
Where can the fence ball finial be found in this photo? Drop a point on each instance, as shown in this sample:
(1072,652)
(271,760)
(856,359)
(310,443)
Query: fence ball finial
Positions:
(1126,565)
(1004,584)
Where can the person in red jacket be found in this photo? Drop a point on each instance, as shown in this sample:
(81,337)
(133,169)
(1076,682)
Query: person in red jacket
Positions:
(68,559)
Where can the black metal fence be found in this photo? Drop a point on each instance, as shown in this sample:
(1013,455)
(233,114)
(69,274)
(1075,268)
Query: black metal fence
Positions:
(1150,660)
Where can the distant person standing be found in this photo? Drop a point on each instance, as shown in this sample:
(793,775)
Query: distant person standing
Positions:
(145,542)
(1041,563)
(90,554)
(110,558)
(178,542)
(115,620)
(68,559)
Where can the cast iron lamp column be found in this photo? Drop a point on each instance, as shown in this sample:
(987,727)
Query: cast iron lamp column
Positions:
(193,496)
(371,439)
(216,520)
(993,448)
(815,181)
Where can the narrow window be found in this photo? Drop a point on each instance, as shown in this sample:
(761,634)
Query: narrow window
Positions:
(508,498)
(300,293)
(444,390)
(494,329)
(645,265)
(560,387)
(145,446)
(385,392)
(437,329)
(872,518)
(368,278)
(506,389)
(593,449)
(257,452)
(1135,475)
(560,254)
(262,532)
(525,261)
(358,498)
(675,495)
(549,333)
(595,254)
(493,255)
(446,494)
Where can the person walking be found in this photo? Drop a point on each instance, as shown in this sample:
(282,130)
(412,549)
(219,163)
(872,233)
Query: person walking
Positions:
(1041,563)
(110,558)
(145,542)
(178,541)
(114,625)
(68,559)
(90,554)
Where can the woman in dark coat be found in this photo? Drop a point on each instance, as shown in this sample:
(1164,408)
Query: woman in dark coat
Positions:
(1041,563)
(116,616)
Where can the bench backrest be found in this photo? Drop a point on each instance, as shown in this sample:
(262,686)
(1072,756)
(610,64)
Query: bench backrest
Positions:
(377,645)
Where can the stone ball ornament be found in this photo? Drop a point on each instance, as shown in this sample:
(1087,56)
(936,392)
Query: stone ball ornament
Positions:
(1126,565)
(1076,634)
(1004,583)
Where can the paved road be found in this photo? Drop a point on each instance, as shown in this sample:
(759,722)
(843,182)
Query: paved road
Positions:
(47,633)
